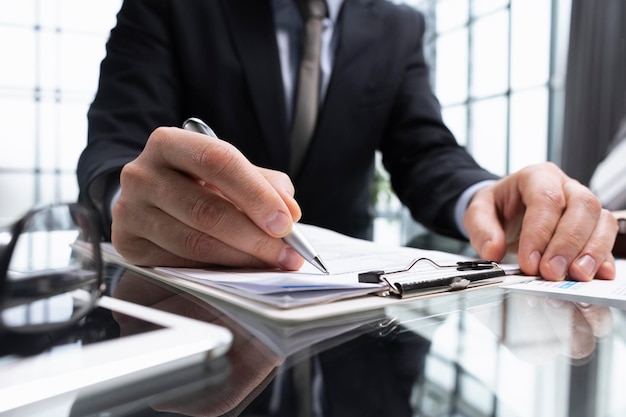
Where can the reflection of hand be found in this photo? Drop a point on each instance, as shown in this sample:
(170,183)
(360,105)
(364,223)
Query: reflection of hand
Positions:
(556,225)
(192,200)
(540,328)
(252,363)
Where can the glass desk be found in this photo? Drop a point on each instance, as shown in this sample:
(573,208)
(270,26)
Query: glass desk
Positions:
(484,352)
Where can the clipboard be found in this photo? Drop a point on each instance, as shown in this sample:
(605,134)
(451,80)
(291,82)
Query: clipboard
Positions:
(424,276)
(315,313)
(353,255)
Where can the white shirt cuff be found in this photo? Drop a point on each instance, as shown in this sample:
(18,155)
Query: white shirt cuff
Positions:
(463,201)
(113,200)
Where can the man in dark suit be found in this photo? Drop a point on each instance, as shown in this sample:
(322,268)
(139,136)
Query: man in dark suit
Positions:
(187,199)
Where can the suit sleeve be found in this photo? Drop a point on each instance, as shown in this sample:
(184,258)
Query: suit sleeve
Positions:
(428,169)
(137,76)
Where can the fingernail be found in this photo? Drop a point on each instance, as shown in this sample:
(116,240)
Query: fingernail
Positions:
(535,258)
(278,223)
(587,265)
(483,249)
(289,259)
(608,269)
(558,264)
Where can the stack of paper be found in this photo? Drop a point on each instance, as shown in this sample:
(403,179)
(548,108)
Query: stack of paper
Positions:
(344,256)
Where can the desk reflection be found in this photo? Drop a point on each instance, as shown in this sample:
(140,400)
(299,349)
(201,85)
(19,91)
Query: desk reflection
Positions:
(390,362)
(500,353)
(252,363)
(358,364)
(541,328)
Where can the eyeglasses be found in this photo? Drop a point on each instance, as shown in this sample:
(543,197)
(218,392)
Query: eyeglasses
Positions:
(50,268)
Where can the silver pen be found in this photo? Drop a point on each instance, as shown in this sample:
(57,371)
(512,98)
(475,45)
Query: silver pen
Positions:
(296,239)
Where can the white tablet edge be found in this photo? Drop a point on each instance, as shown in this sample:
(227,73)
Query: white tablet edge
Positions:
(182,342)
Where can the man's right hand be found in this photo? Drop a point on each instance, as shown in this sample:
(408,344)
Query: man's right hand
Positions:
(190,200)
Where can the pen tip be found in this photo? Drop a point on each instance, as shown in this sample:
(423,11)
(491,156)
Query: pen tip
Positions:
(320,265)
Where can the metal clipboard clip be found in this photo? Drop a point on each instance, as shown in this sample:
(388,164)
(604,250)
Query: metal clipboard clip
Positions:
(424,276)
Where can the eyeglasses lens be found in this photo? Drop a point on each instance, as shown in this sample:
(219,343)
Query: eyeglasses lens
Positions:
(54,275)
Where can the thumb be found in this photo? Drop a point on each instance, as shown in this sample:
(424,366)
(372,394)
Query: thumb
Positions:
(483,226)
(283,185)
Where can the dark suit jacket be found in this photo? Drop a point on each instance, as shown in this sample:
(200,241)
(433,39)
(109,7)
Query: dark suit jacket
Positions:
(218,60)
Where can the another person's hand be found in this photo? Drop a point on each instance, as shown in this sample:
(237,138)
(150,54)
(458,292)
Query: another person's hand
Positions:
(191,200)
(556,225)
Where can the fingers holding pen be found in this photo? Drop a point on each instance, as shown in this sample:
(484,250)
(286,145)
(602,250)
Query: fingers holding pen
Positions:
(191,193)
(159,239)
(221,165)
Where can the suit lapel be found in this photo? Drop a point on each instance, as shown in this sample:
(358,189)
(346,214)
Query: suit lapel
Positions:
(255,39)
(360,27)
(254,35)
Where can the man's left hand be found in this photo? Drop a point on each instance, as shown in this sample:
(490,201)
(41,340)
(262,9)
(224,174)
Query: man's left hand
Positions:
(557,226)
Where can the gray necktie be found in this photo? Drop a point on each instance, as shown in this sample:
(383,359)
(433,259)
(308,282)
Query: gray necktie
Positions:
(307,93)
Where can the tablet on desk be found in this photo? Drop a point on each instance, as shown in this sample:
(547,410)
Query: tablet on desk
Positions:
(161,343)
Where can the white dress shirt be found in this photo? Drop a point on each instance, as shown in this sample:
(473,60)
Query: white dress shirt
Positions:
(289,28)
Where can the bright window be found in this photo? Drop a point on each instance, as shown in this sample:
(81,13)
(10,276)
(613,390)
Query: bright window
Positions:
(498,69)
(51,53)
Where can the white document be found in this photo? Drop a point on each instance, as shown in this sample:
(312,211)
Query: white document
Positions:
(289,339)
(597,291)
(344,256)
